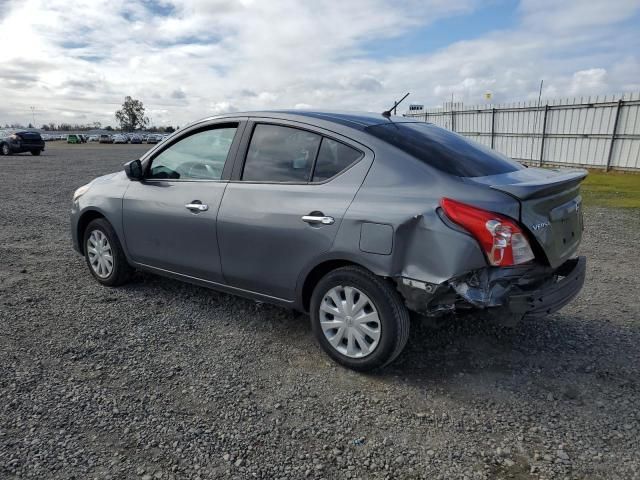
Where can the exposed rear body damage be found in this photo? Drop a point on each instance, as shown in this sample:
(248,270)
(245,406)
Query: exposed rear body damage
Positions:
(551,215)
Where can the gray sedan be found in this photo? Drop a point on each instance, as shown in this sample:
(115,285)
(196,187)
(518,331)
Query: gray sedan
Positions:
(357,219)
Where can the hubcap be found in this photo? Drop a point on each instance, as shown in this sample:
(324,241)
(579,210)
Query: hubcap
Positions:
(100,254)
(350,321)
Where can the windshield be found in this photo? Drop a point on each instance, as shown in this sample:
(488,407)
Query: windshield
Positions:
(443,149)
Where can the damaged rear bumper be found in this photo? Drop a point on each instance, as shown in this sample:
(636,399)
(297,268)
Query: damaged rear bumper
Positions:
(569,279)
(515,292)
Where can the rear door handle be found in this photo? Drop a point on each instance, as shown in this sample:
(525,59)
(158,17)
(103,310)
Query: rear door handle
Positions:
(318,219)
(197,207)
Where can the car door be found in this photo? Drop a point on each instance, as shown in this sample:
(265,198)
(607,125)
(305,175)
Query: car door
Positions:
(169,218)
(286,204)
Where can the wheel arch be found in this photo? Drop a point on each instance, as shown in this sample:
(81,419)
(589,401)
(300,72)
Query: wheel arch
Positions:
(319,270)
(87,217)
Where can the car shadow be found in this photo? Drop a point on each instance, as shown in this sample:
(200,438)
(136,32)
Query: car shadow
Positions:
(563,355)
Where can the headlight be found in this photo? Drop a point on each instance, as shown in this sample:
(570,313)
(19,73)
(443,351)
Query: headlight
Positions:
(81,191)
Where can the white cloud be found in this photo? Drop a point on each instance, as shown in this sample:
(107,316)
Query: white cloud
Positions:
(76,60)
(587,81)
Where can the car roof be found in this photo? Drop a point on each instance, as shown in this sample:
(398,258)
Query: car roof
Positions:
(357,120)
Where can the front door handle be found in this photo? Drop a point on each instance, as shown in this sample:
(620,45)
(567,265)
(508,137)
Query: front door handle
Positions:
(318,219)
(197,207)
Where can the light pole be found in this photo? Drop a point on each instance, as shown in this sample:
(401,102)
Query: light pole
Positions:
(33,116)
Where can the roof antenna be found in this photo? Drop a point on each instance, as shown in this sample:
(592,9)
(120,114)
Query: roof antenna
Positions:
(387,113)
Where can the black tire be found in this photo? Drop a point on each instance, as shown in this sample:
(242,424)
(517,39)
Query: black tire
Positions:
(5,149)
(122,271)
(392,312)
(35,152)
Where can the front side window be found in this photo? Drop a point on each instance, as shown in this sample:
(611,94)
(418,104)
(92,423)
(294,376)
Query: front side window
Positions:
(333,158)
(200,156)
(280,154)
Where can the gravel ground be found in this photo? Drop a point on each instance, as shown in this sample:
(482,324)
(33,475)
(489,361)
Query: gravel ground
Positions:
(159,379)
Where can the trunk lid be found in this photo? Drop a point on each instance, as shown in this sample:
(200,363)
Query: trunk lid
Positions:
(550,207)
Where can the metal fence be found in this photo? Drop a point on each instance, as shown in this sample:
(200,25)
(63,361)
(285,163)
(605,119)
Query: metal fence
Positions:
(593,132)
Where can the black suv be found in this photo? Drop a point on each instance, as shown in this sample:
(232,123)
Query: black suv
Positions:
(12,141)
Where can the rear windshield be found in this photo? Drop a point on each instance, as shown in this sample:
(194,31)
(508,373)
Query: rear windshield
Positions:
(443,149)
(30,135)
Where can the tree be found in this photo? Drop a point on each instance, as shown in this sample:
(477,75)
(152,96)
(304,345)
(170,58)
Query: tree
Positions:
(169,129)
(131,115)
(108,128)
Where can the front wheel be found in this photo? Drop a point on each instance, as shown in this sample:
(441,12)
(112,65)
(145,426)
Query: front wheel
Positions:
(359,319)
(35,152)
(104,255)
(5,150)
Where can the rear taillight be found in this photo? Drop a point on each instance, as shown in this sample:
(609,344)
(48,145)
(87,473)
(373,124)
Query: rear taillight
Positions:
(500,237)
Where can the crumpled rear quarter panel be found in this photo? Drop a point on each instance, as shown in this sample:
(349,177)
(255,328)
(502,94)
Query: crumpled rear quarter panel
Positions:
(407,199)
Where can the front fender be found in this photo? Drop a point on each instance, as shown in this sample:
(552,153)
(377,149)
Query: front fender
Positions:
(104,198)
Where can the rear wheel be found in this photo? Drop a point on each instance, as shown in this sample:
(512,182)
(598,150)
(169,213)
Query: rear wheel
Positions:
(35,152)
(5,150)
(104,255)
(359,319)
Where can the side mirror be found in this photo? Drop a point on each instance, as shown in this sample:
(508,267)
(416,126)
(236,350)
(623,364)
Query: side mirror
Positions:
(133,169)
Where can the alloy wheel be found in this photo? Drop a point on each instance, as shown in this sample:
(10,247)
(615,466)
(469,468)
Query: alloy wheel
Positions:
(350,321)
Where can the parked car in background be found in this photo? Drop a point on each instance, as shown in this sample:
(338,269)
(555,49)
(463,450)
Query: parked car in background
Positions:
(20,141)
(120,139)
(152,138)
(74,138)
(104,138)
(354,218)
(135,139)
(93,138)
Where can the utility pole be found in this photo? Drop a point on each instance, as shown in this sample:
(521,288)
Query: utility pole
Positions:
(33,116)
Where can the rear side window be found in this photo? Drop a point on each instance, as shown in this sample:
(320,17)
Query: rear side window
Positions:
(445,150)
(280,154)
(333,158)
